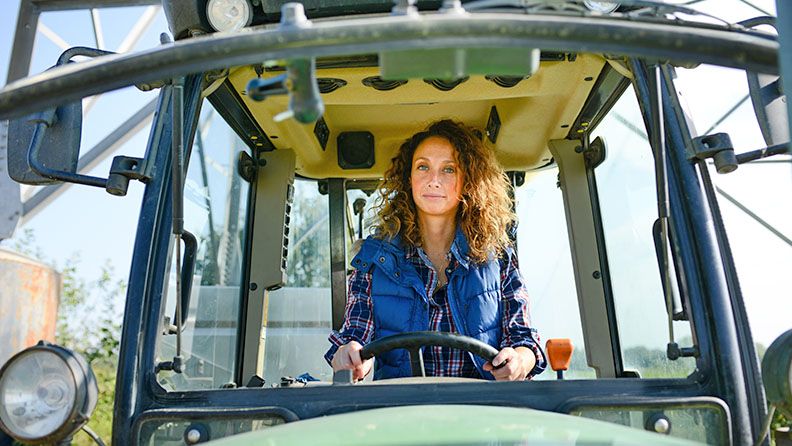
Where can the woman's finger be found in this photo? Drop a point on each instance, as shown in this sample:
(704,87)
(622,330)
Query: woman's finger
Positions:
(354,353)
(504,373)
(361,371)
(503,356)
(339,361)
(344,358)
(510,366)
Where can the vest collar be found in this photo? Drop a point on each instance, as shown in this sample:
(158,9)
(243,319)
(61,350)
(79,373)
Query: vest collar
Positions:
(374,252)
(460,248)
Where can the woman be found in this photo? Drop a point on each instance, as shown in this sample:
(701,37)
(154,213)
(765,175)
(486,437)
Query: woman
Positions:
(440,260)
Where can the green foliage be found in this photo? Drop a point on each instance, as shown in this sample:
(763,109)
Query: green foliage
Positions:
(88,323)
(25,243)
(97,340)
(780,421)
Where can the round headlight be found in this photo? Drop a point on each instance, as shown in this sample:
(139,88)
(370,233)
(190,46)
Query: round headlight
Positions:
(47,393)
(229,15)
(777,372)
(603,7)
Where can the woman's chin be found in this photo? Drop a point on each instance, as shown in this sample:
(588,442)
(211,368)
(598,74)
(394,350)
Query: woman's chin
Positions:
(437,211)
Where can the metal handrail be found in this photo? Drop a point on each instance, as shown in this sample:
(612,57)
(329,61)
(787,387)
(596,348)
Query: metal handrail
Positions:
(685,44)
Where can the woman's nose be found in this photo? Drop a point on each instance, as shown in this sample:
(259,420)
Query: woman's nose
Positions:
(434,180)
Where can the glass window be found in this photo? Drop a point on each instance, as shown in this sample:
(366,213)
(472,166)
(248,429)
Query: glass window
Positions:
(758,220)
(546,265)
(362,213)
(628,201)
(299,314)
(215,208)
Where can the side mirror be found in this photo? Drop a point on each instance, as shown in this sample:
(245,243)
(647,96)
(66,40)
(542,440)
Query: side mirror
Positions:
(769,102)
(59,148)
(767,96)
(44,148)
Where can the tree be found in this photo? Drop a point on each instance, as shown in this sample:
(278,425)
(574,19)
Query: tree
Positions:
(80,327)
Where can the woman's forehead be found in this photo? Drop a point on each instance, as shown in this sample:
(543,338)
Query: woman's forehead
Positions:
(436,148)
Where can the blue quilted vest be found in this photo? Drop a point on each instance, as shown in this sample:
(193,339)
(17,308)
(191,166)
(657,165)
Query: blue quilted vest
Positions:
(401,305)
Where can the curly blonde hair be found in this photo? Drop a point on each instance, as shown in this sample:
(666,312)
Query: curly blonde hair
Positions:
(485,212)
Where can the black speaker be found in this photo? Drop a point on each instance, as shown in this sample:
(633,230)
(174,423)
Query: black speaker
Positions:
(355,150)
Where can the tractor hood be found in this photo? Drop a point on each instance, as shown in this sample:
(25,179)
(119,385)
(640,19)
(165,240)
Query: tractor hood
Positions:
(451,425)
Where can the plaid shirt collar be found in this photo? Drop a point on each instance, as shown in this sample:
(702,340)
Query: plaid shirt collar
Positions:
(459,249)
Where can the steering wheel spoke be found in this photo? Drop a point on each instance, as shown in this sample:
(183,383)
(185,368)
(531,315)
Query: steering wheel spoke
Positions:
(417,362)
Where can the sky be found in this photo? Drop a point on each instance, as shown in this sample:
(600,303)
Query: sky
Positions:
(93,228)
(86,220)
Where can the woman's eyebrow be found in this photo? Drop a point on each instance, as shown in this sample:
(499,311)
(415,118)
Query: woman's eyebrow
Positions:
(447,160)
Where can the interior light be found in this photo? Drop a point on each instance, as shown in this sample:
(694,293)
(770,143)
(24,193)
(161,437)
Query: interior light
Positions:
(47,393)
(603,7)
(229,15)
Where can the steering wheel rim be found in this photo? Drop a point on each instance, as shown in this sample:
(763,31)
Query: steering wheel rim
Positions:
(414,341)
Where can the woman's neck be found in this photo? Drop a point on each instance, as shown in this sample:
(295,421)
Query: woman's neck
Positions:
(437,233)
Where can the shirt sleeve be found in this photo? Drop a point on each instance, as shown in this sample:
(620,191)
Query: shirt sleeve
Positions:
(516,320)
(358,316)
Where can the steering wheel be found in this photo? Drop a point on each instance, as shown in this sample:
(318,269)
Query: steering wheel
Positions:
(415,340)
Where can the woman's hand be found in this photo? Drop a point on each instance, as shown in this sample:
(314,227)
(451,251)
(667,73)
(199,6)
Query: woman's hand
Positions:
(517,364)
(347,357)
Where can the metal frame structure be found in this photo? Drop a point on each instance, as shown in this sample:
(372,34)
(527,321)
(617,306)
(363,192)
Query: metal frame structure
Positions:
(139,397)
(746,50)
(708,296)
(18,209)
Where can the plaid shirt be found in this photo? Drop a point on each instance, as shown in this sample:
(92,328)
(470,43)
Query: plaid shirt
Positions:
(442,361)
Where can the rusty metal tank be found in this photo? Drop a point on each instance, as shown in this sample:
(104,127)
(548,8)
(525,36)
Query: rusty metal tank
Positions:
(29,297)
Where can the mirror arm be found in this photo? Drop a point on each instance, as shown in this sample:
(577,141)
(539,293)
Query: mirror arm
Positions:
(67,55)
(45,120)
(123,168)
(778,149)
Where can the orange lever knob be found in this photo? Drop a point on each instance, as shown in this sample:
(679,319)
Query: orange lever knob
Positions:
(559,351)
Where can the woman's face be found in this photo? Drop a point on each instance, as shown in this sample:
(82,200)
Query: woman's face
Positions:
(436,178)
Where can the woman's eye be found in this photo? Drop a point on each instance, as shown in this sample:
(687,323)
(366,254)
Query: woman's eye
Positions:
(422,167)
(449,169)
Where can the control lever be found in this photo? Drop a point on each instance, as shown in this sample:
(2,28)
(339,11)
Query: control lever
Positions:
(559,351)
(359,206)
(299,82)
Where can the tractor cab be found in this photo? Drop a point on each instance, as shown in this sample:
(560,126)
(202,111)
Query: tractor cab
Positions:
(274,125)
